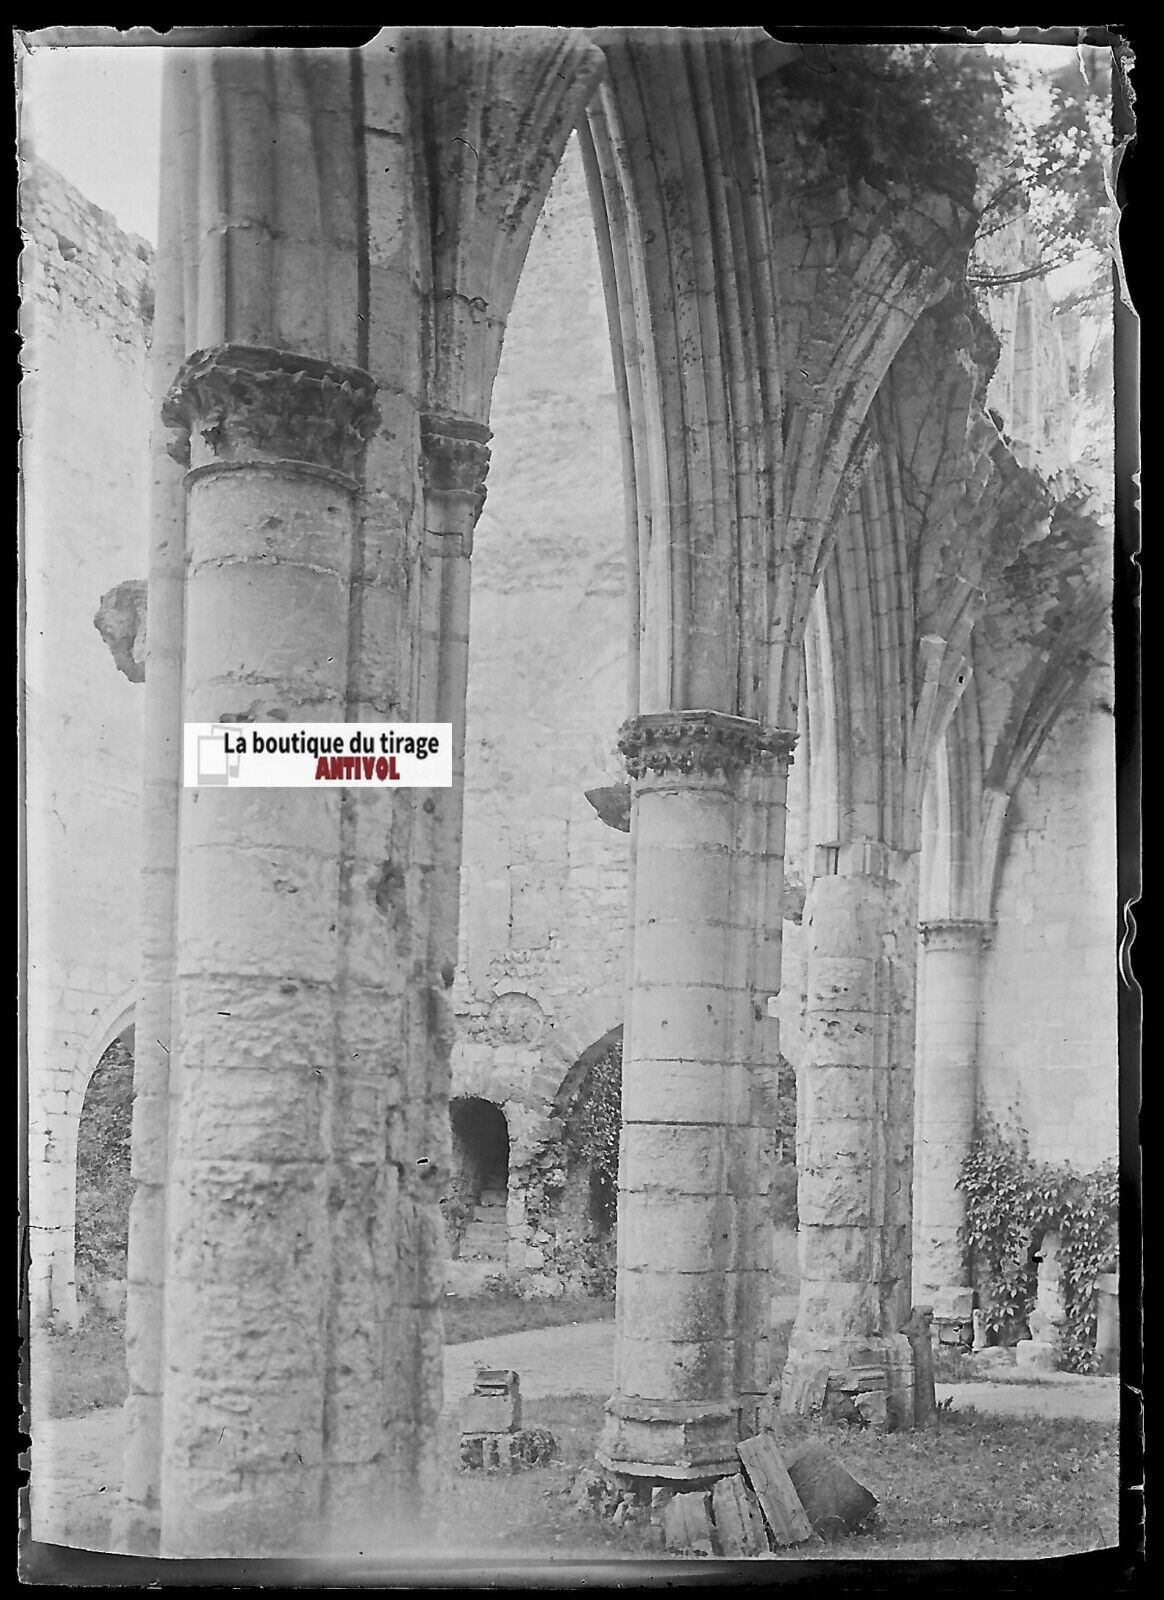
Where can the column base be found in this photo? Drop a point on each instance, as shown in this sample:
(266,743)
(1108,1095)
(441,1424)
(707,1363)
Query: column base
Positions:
(869,1381)
(953,1309)
(670,1441)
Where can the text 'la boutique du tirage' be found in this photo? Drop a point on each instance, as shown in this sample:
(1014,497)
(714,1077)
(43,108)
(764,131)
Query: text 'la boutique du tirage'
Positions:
(274,756)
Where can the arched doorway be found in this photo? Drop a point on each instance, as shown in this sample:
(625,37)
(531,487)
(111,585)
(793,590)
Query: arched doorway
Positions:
(476,1215)
(590,1105)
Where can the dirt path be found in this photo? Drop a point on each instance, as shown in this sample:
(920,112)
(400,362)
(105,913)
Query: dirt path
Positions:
(77,1460)
(578,1359)
(1090,1399)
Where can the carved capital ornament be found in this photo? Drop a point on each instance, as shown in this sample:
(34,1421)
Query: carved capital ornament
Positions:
(241,404)
(454,463)
(956,933)
(691,743)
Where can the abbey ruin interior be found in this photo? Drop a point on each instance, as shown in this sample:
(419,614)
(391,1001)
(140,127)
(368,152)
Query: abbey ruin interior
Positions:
(784,777)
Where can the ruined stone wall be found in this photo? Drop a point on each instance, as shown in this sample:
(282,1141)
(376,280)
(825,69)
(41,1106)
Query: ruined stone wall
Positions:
(540,975)
(1047,1045)
(85,420)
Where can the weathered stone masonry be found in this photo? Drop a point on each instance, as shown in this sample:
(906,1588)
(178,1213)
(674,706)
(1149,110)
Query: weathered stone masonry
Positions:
(331,304)
(84,415)
(279,404)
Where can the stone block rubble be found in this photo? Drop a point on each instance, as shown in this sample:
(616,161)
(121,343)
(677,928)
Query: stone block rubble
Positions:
(771,1504)
(492,1437)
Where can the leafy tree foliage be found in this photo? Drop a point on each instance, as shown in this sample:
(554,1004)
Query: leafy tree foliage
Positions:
(990,128)
(1060,137)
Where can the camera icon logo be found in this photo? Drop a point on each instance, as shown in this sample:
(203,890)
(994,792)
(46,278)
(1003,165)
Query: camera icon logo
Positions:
(214,764)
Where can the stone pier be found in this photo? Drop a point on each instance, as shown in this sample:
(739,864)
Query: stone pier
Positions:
(274,442)
(684,1162)
(847,1354)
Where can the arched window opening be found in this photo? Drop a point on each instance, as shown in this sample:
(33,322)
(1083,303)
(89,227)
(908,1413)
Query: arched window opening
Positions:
(591,1108)
(104,1182)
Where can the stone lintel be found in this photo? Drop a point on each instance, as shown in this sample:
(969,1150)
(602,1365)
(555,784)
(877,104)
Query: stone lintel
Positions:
(674,744)
(956,933)
(238,404)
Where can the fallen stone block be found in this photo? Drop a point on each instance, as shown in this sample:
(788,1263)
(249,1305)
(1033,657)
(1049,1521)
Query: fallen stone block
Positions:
(535,1446)
(833,1500)
(1038,1355)
(765,1470)
(586,1489)
(803,1391)
(872,1408)
(687,1523)
(507,1452)
(739,1522)
(488,1413)
(660,1495)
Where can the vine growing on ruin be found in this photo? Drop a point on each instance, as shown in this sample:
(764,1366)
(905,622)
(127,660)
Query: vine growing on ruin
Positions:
(594,1127)
(1012,1201)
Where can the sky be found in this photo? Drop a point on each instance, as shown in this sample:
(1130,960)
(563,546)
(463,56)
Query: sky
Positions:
(94,113)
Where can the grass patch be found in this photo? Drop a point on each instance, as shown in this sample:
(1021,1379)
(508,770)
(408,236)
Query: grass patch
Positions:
(954,1365)
(501,1517)
(974,1486)
(483,1316)
(1009,1488)
(77,1372)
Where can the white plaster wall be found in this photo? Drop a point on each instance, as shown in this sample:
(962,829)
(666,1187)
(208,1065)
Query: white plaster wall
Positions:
(85,419)
(1047,1046)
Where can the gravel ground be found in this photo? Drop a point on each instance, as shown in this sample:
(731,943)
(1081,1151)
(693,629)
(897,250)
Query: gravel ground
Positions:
(77,1460)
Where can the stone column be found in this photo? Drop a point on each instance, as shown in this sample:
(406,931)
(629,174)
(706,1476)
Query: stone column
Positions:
(759,866)
(137,1519)
(683,1168)
(949,1009)
(266,1068)
(454,466)
(847,1355)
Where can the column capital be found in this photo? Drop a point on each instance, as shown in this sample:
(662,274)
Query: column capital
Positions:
(244,404)
(690,743)
(956,933)
(454,463)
